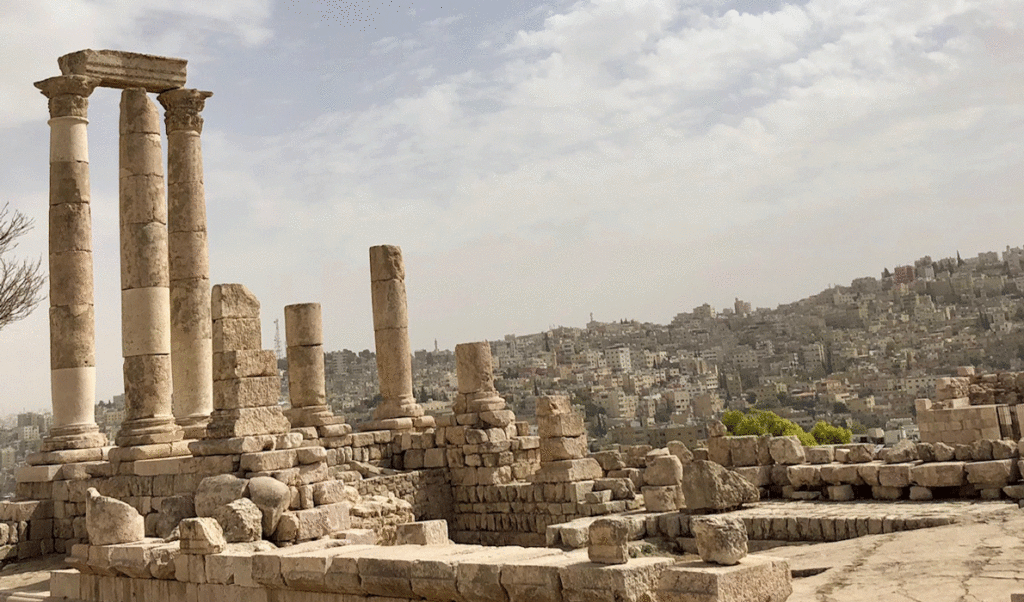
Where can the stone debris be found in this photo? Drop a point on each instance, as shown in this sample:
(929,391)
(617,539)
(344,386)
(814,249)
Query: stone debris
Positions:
(111,521)
(201,536)
(709,487)
(423,533)
(241,521)
(608,541)
(720,539)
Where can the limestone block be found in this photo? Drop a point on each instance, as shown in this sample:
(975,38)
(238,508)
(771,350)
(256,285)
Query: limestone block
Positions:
(117,69)
(233,301)
(887,493)
(894,475)
(568,471)
(609,460)
(840,474)
(759,476)
(498,418)
(236,334)
(822,454)
(719,451)
(145,323)
(390,305)
(110,521)
(386,263)
(609,539)
(904,451)
(534,580)
(303,325)
(218,490)
(920,494)
(302,525)
(857,454)
(1004,449)
(244,364)
(423,533)
(663,499)
(720,539)
(246,422)
(804,476)
(268,460)
(144,256)
(992,474)
(201,536)
(186,197)
(561,425)
(743,450)
(69,181)
(679,450)
(190,311)
(868,473)
(173,510)
(943,452)
(72,337)
(562,448)
(708,486)
(71,280)
(272,498)
(140,154)
(761,578)
(251,392)
(840,493)
(664,471)
(632,582)
(785,450)
(38,474)
(241,520)
(138,194)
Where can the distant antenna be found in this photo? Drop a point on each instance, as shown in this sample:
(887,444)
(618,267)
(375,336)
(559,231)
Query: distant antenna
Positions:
(277,339)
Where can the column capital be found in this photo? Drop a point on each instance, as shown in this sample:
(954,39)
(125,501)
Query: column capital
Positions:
(182,107)
(68,94)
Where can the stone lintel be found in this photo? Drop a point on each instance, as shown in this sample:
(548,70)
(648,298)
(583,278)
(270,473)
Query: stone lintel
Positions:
(117,69)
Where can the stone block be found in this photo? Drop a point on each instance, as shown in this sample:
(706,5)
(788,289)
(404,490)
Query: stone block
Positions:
(803,476)
(244,363)
(423,533)
(201,536)
(118,69)
(743,450)
(755,578)
(567,471)
(561,425)
(938,474)
(233,301)
(562,448)
(992,474)
(663,498)
(822,454)
(894,475)
(231,334)
(840,493)
(786,450)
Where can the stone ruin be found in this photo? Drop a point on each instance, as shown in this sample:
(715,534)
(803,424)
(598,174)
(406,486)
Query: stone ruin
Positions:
(212,490)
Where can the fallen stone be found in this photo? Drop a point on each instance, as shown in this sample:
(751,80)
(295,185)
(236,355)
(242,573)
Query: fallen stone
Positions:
(679,450)
(755,578)
(240,520)
(709,486)
(423,533)
(663,498)
(786,450)
(904,451)
(938,474)
(110,521)
(720,539)
(201,535)
(943,452)
(609,539)
(216,491)
(664,471)
(272,497)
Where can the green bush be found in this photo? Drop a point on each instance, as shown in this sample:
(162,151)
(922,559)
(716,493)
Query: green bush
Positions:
(760,422)
(826,434)
(731,418)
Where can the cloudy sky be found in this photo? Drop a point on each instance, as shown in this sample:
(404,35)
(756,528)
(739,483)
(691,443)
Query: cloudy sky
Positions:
(538,161)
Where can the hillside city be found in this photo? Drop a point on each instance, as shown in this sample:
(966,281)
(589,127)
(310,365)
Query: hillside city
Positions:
(855,356)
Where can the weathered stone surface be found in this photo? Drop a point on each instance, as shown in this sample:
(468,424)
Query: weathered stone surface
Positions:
(938,474)
(708,486)
(804,476)
(679,450)
(743,450)
(609,539)
(217,491)
(240,520)
(894,475)
(786,450)
(840,493)
(993,473)
(664,471)
(111,521)
(663,498)
(720,539)
(857,454)
(943,452)
(423,533)
(822,454)
(904,451)
(118,69)
(172,511)
(754,579)
(201,535)
(1004,449)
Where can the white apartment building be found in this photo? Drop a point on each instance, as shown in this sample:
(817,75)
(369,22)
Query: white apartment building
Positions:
(618,358)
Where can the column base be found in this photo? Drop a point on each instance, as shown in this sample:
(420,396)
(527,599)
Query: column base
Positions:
(318,415)
(77,436)
(148,431)
(398,409)
(194,427)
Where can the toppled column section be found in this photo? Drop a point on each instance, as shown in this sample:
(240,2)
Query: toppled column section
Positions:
(145,295)
(189,262)
(72,322)
(307,389)
(246,384)
(391,336)
(563,444)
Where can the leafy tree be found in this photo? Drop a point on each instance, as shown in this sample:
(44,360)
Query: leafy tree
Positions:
(759,422)
(826,434)
(730,419)
(20,282)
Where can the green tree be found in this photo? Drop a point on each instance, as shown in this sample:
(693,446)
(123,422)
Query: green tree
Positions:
(730,419)
(826,434)
(759,422)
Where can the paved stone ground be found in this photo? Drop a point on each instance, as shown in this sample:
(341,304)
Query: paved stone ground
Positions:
(980,559)
(959,510)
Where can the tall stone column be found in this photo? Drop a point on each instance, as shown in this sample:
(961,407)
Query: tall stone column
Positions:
(72,321)
(307,392)
(189,262)
(145,296)
(391,334)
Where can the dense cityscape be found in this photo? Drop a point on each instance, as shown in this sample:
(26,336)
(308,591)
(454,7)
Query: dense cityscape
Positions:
(855,356)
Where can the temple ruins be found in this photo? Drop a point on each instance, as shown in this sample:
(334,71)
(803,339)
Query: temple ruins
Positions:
(213,490)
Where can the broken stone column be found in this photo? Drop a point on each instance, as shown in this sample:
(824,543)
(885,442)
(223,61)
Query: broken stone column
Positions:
(246,384)
(72,322)
(145,297)
(563,444)
(189,262)
(391,334)
(307,390)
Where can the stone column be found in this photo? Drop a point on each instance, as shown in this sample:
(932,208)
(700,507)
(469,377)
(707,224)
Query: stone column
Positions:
(189,262)
(72,322)
(391,334)
(145,296)
(307,391)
